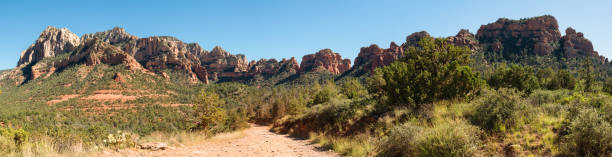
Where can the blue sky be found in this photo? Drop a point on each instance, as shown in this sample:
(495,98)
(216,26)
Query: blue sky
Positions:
(286,28)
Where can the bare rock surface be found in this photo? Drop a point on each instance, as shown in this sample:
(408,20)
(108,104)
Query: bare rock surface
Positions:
(325,59)
(465,38)
(372,57)
(575,44)
(536,35)
(51,42)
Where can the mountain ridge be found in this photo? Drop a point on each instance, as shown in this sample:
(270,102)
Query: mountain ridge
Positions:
(505,38)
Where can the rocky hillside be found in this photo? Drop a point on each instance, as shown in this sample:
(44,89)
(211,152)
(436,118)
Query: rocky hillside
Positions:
(62,48)
(505,38)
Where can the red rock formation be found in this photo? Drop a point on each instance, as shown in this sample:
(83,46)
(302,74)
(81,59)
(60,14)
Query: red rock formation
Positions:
(114,36)
(414,38)
(94,51)
(219,60)
(325,59)
(373,56)
(575,44)
(536,35)
(169,53)
(465,38)
(51,42)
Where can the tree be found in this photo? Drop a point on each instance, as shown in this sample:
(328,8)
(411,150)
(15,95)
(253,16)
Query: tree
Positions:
(607,87)
(352,88)
(545,75)
(326,93)
(519,77)
(562,79)
(210,110)
(588,75)
(435,70)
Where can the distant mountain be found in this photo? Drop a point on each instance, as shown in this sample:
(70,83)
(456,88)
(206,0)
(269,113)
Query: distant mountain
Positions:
(504,39)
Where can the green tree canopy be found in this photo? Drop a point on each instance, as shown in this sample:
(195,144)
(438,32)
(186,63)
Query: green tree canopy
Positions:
(519,77)
(432,71)
(210,109)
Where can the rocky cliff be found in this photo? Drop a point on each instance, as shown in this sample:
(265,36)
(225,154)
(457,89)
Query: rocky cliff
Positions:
(465,38)
(575,44)
(268,67)
(51,42)
(325,59)
(537,35)
(531,36)
(372,57)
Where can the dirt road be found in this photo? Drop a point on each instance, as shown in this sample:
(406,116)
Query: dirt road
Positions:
(256,141)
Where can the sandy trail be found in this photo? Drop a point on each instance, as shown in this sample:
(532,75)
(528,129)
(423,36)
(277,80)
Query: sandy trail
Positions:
(256,141)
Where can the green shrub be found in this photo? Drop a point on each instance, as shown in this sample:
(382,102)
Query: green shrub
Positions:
(352,89)
(519,77)
(19,136)
(210,110)
(447,139)
(540,97)
(499,110)
(121,140)
(12,140)
(588,135)
(607,86)
(326,93)
(433,71)
(400,141)
(588,75)
(562,79)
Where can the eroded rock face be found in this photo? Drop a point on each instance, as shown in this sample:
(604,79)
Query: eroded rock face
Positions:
(575,44)
(94,51)
(372,57)
(219,60)
(465,38)
(169,53)
(327,60)
(270,67)
(51,42)
(537,35)
(114,36)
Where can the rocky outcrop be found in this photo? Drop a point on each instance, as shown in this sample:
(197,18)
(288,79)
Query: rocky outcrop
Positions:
(537,35)
(372,57)
(465,38)
(575,44)
(414,38)
(156,53)
(219,60)
(114,36)
(94,51)
(327,60)
(268,67)
(51,42)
